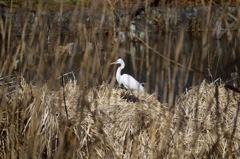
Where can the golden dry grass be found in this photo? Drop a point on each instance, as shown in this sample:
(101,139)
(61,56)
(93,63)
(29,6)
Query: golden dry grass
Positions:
(101,124)
(91,118)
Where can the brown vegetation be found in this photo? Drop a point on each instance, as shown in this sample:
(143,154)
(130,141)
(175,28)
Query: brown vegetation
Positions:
(70,4)
(101,124)
(57,92)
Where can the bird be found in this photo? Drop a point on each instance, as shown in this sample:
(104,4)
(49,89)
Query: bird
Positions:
(127,80)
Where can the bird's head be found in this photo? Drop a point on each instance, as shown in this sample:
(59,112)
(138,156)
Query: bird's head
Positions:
(119,61)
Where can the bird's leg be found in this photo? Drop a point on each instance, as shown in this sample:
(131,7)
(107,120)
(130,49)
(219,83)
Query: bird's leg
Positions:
(119,85)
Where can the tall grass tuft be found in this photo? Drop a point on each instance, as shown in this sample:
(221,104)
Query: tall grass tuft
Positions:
(58,97)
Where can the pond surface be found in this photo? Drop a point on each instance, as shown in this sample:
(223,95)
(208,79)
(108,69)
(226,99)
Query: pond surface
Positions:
(171,56)
(199,60)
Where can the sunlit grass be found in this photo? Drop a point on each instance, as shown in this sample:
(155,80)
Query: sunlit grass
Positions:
(58,97)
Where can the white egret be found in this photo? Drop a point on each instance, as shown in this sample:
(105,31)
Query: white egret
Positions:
(127,80)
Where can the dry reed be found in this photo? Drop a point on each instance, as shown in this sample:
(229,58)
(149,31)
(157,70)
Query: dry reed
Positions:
(102,124)
(45,113)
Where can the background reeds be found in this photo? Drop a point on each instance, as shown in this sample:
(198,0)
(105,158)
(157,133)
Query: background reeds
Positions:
(58,97)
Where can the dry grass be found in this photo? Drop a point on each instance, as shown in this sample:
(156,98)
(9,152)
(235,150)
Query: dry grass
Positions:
(207,118)
(46,112)
(102,124)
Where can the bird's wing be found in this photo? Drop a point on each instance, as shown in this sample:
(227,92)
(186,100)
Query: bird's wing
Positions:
(130,83)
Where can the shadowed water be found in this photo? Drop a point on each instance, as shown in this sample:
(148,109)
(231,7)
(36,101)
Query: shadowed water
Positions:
(169,57)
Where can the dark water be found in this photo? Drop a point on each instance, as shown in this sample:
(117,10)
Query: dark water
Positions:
(209,60)
(195,56)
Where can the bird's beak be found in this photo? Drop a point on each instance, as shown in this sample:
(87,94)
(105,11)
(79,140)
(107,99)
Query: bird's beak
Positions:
(113,63)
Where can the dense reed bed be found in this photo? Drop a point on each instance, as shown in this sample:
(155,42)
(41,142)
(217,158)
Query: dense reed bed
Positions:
(103,122)
(58,97)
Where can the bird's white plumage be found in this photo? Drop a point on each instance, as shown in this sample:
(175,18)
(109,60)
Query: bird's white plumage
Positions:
(127,80)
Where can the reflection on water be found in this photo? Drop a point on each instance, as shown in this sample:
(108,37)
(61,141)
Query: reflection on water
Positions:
(202,58)
(199,59)
(180,47)
(176,60)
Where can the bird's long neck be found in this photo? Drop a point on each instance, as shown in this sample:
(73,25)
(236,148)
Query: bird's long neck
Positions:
(118,74)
